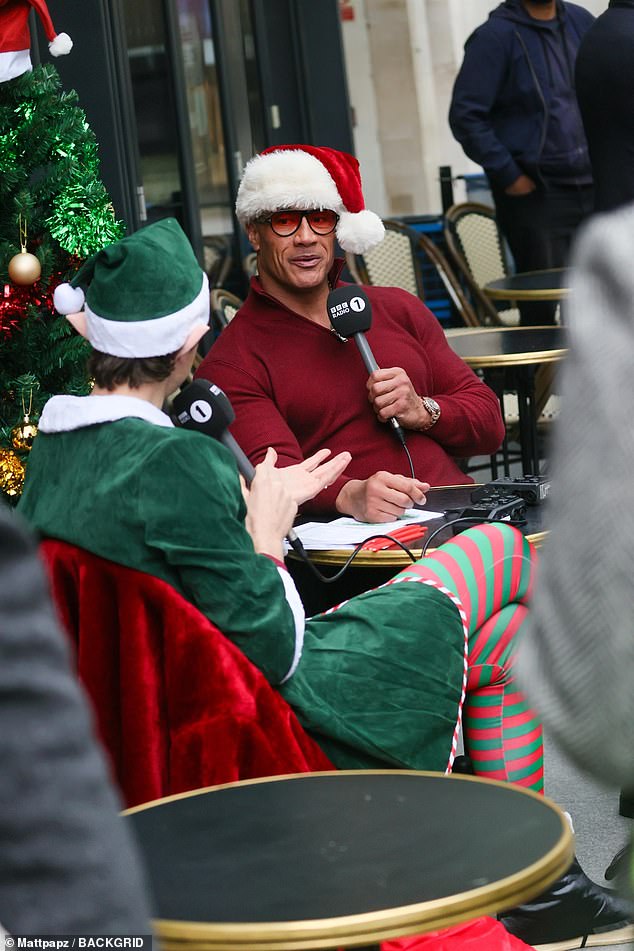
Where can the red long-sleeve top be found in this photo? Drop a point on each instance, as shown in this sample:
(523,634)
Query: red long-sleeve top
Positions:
(296,386)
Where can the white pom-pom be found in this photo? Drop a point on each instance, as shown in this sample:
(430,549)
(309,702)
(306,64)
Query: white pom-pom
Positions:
(68,299)
(61,45)
(360,231)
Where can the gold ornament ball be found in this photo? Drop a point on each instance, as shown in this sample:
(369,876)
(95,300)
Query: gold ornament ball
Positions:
(24,268)
(22,436)
(11,473)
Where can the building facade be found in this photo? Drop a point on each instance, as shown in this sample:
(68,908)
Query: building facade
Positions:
(180,93)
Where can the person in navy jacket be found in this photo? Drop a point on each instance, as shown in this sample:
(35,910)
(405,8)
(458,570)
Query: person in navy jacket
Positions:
(514,111)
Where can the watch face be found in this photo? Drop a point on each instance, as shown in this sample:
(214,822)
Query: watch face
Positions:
(433,405)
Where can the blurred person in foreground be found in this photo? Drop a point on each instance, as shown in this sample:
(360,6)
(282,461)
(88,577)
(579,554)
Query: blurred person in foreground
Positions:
(68,865)
(577,659)
(604,77)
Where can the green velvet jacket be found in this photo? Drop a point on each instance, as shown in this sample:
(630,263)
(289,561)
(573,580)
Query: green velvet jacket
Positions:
(379,680)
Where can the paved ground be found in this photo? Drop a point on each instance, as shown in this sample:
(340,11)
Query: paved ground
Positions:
(599,830)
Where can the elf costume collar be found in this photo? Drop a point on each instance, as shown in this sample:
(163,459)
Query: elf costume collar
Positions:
(64,414)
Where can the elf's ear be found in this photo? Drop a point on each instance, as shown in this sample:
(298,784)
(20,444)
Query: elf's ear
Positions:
(78,321)
(194,337)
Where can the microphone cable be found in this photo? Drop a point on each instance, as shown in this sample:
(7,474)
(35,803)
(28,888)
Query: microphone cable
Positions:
(409,459)
(329,579)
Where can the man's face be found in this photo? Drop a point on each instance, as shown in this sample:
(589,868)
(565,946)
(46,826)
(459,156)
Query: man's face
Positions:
(297,263)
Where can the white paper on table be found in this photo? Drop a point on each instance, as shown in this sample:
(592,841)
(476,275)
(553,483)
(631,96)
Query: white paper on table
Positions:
(347,532)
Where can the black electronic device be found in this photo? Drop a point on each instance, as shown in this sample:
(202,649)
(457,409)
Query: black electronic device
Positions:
(533,489)
(496,508)
(350,314)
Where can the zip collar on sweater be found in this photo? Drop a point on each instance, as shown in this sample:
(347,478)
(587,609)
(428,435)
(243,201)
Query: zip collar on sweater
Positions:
(333,280)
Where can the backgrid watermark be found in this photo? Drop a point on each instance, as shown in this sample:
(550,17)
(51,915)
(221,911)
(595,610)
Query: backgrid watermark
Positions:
(80,942)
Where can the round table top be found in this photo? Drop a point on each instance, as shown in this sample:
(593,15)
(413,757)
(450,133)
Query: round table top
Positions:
(352,857)
(550,284)
(508,346)
(449,499)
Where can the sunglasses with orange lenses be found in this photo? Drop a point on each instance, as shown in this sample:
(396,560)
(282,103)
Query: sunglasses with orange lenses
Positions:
(285,223)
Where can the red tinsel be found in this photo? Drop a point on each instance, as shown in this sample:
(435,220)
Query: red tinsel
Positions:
(15,301)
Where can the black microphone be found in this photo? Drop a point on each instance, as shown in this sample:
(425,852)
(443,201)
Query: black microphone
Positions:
(203,406)
(350,314)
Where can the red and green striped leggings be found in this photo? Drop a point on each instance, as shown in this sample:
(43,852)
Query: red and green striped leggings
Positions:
(490,569)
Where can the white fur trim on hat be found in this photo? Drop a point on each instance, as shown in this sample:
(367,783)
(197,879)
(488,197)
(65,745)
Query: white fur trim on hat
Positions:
(14,63)
(148,338)
(292,178)
(288,179)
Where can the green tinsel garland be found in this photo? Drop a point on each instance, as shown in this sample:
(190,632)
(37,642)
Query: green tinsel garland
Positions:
(49,180)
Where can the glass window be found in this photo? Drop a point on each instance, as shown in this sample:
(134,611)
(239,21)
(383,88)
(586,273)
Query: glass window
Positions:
(154,109)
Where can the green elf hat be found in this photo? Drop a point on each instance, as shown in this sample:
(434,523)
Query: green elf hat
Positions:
(146,296)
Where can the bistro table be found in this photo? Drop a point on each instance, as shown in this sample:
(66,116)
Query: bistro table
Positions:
(373,568)
(508,357)
(551,284)
(342,859)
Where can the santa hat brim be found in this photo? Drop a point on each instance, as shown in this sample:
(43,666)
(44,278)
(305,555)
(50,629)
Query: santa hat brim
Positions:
(296,179)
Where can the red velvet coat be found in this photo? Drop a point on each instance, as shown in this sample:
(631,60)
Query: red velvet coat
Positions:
(178,706)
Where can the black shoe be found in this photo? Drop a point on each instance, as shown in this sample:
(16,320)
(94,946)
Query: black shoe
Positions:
(573,913)
(462,764)
(619,865)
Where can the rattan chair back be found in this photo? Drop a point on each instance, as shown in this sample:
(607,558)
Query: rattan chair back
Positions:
(398,262)
(224,307)
(479,254)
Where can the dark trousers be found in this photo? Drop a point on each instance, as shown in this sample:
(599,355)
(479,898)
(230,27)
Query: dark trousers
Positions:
(539,228)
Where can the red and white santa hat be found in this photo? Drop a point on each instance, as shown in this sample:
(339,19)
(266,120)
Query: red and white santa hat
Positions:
(308,176)
(15,38)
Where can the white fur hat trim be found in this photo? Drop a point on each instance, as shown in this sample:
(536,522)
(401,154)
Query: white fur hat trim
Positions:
(288,179)
(293,178)
(148,338)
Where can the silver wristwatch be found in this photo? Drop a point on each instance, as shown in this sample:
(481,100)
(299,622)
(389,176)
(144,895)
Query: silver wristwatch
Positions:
(432,408)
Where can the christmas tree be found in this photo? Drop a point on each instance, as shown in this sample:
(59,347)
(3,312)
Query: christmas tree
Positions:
(54,212)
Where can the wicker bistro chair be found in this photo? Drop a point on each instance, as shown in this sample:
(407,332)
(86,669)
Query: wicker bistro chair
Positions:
(217,258)
(398,262)
(223,307)
(479,254)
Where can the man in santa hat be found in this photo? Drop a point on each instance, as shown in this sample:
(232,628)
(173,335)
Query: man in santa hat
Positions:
(295,385)
(15,37)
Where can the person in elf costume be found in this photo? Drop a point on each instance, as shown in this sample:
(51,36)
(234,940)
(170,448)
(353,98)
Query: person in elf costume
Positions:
(379,681)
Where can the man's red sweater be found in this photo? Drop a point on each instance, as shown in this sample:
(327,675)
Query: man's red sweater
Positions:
(296,386)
